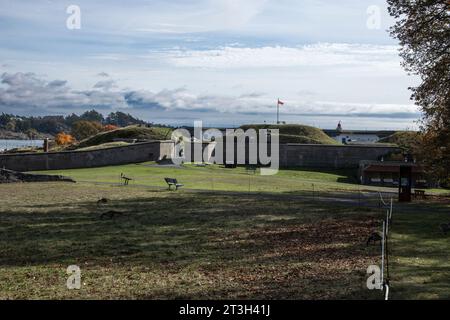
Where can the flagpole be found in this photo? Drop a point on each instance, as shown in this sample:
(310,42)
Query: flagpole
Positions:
(278,111)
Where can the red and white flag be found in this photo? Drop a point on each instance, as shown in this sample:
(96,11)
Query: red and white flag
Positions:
(280,102)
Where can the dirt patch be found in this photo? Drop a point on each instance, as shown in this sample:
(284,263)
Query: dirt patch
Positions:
(329,255)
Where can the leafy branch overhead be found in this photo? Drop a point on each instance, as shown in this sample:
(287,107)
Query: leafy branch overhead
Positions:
(423,30)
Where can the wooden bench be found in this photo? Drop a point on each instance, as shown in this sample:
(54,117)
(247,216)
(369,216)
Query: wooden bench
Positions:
(173,182)
(419,194)
(230,165)
(250,169)
(126,180)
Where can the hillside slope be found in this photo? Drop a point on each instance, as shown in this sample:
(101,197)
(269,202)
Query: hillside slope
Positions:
(131,132)
(294,133)
(406,140)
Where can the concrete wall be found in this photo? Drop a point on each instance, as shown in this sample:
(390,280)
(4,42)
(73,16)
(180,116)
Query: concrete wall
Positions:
(329,156)
(139,152)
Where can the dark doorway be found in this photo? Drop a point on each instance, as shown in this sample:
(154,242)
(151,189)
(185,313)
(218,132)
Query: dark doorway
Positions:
(405,183)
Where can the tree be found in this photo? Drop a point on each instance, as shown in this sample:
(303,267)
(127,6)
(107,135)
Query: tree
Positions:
(49,124)
(31,133)
(92,115)
(63,139)
(11,125)
(423,30)
(71,119)
(122,119)
(85,129)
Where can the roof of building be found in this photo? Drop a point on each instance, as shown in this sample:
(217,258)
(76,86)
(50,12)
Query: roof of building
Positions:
(379,133)
(389,166)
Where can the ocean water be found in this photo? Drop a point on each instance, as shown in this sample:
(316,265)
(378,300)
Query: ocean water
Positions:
(11,144)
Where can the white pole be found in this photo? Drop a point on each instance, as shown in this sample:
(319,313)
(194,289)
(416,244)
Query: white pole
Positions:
(390,214)
(382,255)
(278,111)
(387,222)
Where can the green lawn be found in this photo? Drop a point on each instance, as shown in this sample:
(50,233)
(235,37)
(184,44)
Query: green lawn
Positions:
(215,177)
(421,252)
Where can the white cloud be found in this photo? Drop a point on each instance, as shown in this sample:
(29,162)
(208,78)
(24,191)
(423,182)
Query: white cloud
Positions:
(319,55)
(27,90)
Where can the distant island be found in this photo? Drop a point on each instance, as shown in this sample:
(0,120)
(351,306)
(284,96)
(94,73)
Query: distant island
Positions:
(41,127)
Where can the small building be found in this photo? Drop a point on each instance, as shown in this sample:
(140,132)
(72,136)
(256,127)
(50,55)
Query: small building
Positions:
(356,136)
(386,173)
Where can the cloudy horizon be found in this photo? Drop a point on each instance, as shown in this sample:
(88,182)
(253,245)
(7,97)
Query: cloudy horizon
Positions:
(220,61)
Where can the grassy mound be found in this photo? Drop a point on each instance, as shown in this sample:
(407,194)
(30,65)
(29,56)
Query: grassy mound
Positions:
(131,132)
(406,140)
(294,133)
(105,146)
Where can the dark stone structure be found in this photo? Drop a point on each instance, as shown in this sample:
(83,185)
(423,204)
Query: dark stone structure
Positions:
(330,156)
(139,152)
(387,173)
(290,155)
(9,176)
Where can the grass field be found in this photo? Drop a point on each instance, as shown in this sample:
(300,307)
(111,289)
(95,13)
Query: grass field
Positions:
(178,245)
(215,177)
(189,244)
(420,252)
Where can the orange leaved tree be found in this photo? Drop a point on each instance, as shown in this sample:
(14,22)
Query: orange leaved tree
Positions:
(63,139)
(110,127)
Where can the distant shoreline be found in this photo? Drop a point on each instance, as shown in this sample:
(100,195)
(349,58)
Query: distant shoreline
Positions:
(11,135)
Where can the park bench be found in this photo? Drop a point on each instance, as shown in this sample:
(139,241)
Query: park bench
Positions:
(230,165)
(173,182)
(200,165)
(250,169)
(126,180)
(419,194)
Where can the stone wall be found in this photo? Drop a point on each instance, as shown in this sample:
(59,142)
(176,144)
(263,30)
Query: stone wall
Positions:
(319,156)
(330,156)
(291,155)
(139,152)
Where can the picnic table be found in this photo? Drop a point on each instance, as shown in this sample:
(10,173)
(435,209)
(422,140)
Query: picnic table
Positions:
(419,194)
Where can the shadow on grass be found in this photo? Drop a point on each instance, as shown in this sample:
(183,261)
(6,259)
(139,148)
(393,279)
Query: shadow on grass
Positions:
(420,252)
(342,175)
(246,248)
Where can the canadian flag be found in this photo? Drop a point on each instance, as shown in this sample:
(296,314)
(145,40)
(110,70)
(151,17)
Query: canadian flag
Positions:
(280,102)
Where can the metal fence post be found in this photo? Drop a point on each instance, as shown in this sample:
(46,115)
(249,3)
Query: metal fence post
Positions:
(382,254)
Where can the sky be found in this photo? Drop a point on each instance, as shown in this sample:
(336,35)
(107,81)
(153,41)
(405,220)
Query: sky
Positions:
(224,62)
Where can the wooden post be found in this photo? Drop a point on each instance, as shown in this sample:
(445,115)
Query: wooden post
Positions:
(46,145)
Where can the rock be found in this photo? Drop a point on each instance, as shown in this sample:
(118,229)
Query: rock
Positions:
(9,176)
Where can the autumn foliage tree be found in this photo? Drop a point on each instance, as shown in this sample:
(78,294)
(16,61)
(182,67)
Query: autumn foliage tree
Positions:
(110,127)
(423,30)
(62,139)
